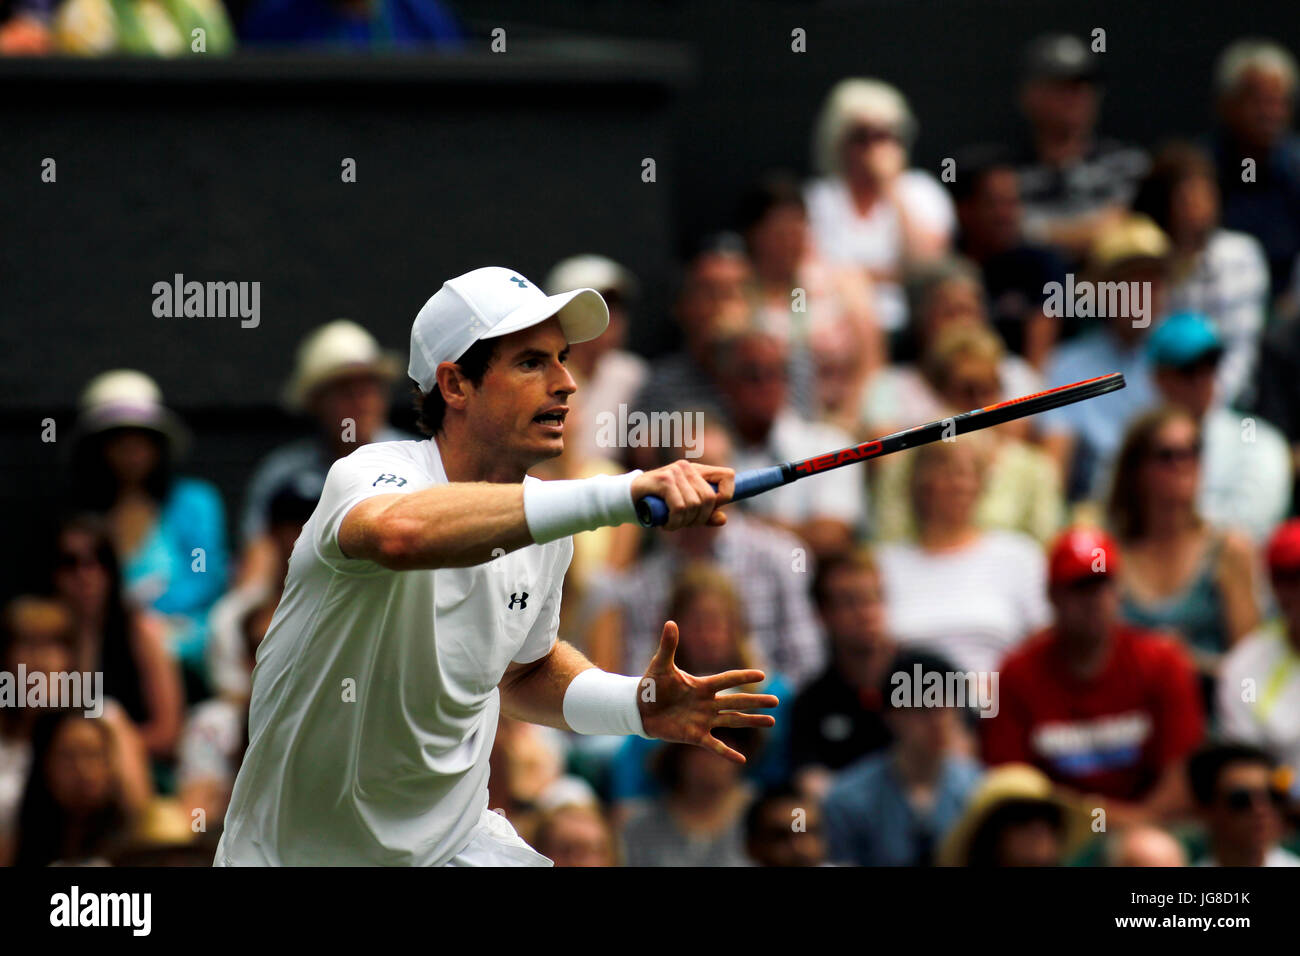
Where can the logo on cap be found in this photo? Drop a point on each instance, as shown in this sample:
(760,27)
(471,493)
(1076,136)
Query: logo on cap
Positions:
(522,283)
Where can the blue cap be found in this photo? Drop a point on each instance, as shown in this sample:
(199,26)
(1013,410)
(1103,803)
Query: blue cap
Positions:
(1184,339)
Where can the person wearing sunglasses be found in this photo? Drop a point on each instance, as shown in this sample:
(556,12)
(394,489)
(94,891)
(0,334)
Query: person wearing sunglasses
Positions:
(1237,790)
(1181,573)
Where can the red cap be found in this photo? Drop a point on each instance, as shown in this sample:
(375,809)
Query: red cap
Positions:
(1081,553)
(1283,553)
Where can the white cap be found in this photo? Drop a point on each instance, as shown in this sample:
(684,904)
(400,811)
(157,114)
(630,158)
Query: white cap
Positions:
(591,272)
(334,350)
(492,302)
(125,398)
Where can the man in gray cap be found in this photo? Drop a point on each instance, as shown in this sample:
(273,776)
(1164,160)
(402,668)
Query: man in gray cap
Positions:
(422,601)
(1072,183)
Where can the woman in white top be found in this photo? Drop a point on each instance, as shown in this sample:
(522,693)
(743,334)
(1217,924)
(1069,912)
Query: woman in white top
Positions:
(869,209)
(968,594)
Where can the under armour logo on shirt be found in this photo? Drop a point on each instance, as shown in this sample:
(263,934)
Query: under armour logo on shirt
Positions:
(522,283)
(389,480)
(521,600)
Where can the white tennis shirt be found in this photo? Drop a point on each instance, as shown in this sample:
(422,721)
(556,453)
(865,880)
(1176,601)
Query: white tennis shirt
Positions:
(374,701)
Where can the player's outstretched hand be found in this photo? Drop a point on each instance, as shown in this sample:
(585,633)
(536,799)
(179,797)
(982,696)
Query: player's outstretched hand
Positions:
(686,490)
(680,708)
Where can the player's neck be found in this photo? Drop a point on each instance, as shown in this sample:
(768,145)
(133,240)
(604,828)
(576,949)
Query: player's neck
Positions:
(466,460)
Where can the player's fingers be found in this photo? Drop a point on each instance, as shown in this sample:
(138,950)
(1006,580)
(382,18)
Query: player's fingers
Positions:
(711,742)
(744,720)
(718,682)
(704,491)
(717,519)
(672,496)
(724,478)
(744,701)
(691,495)
(663,659)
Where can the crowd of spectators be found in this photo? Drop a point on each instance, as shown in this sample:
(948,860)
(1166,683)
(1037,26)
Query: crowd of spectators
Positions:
(1116,582)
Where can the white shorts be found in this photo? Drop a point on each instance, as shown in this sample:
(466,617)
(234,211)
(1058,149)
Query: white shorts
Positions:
(494,842)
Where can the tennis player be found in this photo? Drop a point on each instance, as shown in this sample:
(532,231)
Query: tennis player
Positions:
(423,599)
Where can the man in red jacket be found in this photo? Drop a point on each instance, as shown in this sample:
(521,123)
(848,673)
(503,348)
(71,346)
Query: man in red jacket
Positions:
(1108,711)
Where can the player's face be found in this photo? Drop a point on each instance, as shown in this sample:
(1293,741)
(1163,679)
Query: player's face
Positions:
(522,402)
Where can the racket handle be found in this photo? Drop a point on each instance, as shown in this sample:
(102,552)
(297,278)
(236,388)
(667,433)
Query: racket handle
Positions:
(652,511)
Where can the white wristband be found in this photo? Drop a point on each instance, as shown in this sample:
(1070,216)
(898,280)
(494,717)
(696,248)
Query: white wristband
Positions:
(557,509)
(598,702)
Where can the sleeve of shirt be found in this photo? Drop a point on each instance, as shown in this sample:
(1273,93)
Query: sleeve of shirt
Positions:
(545,630)
(366,473)
(1179,717)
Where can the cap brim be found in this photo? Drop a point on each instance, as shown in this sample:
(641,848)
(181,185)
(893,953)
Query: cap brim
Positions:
(582,313)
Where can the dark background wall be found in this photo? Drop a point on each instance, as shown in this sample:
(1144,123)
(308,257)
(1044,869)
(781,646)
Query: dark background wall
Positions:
(230,170)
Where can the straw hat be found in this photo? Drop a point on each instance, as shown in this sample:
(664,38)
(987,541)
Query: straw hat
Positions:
(1005,784)
(335,350)
(125,398)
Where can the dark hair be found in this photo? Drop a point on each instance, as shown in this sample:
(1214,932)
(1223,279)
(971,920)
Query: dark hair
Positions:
(859,561)
(1173,165)
(666,762)
(1208,763)
(431,409)
(43,824)
(1125,508)
(773,191)
(93,484)
(122,679)
(973,164)
(906,663)
(775,793)
(985,841)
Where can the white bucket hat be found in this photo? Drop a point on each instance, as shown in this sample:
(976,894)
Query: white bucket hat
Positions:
(488,303)
(334,350)
(125,398)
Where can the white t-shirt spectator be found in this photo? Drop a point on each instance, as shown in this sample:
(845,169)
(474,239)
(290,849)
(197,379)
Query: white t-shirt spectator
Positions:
(1271,718)
(1229,283)
(839,495)
(876,239)
(1245,473)
(971,605)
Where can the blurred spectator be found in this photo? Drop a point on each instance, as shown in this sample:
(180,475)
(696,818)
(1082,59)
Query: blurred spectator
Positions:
(869,209)
(1257,156)
(713,639)
(25,27)
(840,377)
(527,773)
(1014,818)
(1259,690)
(1214,271)
(1144,846)
(216,731)
(341,379)
(839,717)
(1015,270)
(942,295)
(716,299)
(829,511)
(892,808)
(967,593)
(357,24)
(699,818)
(1084,437)
(1179,573)
(87,784)
(1237,791)
(606,373)
(783,828)
(117,638)
(1073,183)
(1103,708)
(765,565)
(169,531)
(1246,478)
(576,834)
(800,293)
(36,634)
(1021,490)
(142,27)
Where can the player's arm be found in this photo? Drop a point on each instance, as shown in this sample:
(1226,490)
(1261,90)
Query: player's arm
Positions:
(467,523)
(563,689)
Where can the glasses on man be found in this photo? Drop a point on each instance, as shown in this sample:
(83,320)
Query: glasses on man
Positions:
(1241,799)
